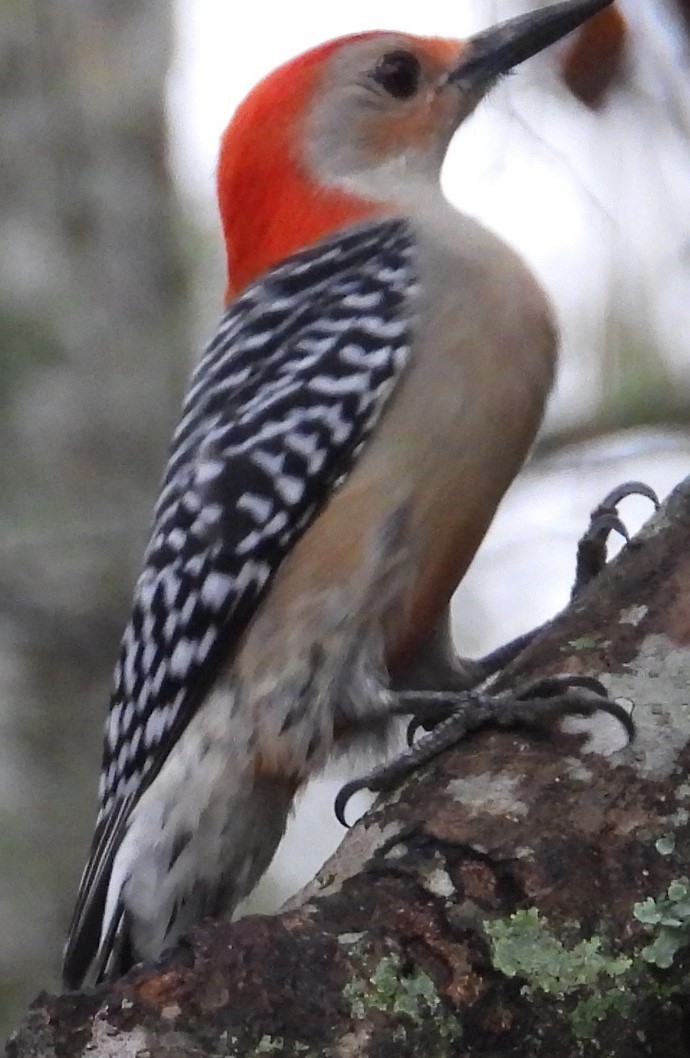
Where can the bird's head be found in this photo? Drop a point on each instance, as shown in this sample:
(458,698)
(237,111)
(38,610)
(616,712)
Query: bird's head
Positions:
(357,127)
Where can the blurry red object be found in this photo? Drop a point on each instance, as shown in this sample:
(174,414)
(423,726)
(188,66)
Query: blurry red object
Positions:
(591,63)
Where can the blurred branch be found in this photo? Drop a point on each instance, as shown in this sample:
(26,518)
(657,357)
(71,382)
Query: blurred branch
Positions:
(94,348)
(672,415)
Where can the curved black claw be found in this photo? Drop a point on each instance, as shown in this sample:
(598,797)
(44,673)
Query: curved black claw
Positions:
(344,794)
(604,520)
(619,713)
(548,686)
(561,684)
(621,492)
(599,704)
(412,728)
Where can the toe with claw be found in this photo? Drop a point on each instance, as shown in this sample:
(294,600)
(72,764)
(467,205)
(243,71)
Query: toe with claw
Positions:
(447,716)
(604,520)
(542,701)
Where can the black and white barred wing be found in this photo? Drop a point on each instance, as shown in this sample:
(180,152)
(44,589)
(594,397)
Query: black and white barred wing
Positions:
(280,404)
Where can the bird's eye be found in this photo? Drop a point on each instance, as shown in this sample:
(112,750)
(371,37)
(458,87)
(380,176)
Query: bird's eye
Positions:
(399,73)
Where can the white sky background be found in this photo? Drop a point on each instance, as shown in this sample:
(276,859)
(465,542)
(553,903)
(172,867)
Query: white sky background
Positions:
(598,202)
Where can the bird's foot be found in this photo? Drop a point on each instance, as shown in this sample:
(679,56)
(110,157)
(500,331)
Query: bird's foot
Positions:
(604,520)
(447,716)
(591,560)
(451,716)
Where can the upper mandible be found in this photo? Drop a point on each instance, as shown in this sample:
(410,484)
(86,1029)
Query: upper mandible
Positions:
(358,127)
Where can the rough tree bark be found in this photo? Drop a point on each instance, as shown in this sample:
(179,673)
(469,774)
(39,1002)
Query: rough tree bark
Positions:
(527,894)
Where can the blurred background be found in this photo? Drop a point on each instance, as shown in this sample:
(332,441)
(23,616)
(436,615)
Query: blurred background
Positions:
(111,278)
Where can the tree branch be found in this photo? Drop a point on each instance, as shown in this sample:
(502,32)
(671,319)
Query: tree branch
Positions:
(524,895)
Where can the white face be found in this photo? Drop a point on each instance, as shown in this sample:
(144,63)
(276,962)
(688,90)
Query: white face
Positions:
(386,108)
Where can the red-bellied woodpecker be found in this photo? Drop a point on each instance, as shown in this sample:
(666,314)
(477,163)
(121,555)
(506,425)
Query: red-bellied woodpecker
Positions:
(373,387)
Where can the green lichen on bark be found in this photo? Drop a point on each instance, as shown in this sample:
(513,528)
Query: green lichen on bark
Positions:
(588,641)
(523,946)
(669,918)
(390,988)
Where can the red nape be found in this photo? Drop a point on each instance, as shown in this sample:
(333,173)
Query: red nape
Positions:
(270,205)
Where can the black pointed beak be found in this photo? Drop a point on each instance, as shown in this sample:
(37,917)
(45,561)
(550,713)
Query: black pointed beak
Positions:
(497,50)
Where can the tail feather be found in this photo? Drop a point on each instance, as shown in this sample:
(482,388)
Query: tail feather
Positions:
(89,933)
(193,845)
(115,955)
